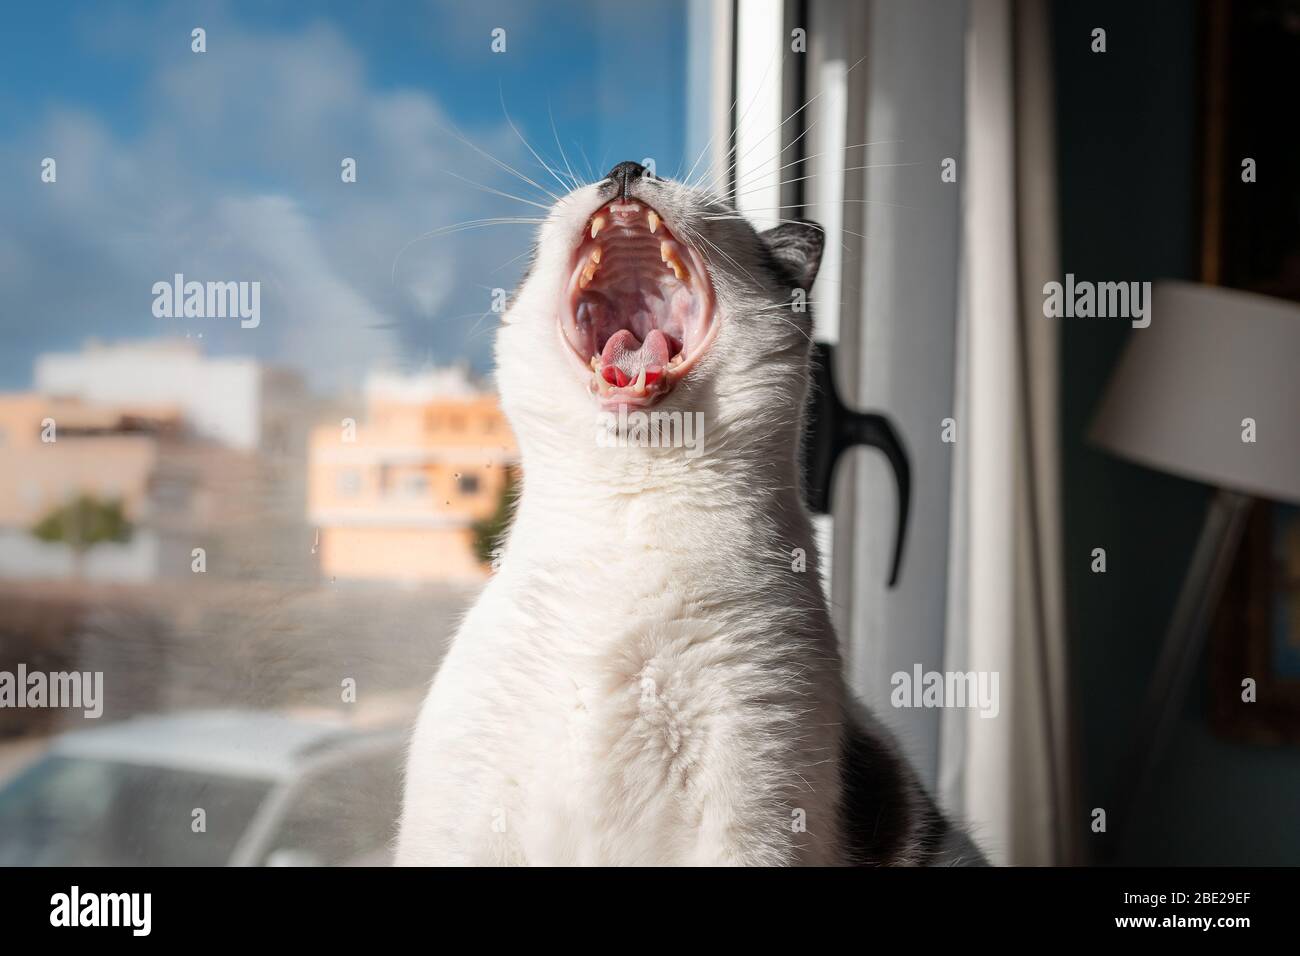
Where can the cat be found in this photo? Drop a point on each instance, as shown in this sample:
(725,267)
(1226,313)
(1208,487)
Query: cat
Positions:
(649,677)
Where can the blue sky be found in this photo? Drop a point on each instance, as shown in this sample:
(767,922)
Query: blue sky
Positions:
(225,165)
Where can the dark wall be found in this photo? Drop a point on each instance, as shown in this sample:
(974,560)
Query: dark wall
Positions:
(1128,136)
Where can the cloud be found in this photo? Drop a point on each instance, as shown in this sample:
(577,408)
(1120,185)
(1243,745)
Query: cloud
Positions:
(234,175)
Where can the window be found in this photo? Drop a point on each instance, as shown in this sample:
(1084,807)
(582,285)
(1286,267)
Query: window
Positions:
(352,216)
(345,814)
(414,484)
(81,811)
(349,482)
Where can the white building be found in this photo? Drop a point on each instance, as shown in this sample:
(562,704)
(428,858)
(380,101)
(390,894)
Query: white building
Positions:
(220,398)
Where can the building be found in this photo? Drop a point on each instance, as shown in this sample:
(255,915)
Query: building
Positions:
(395,494)
(219,398)
(55,449)
(168,432)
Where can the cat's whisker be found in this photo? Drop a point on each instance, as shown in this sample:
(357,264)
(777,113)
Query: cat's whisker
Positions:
(846,169)
(869,202)
(734,138)
(837,149)
(528,146)
(461,227)
(591,174)
(704,152)
(511,261)
(782,124)
(700,238)
(775,311)
(496,192)
(760,169)
(740,217)
(498,163)
(745,219)
(828,152)
(550,113)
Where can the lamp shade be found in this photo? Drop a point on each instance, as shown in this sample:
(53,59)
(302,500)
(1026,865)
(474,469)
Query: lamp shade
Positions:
(1210,358)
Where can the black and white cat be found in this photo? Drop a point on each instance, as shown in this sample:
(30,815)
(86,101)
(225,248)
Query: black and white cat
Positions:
(645,680)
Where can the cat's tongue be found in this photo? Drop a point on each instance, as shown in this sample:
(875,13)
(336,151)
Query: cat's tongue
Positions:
(625,355)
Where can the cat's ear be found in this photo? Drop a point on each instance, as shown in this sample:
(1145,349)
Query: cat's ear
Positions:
(797,245)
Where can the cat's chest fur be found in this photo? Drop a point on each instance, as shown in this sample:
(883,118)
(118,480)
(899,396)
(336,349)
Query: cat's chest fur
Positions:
(641,694)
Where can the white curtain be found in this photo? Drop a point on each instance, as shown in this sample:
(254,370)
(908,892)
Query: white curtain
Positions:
(1011,775)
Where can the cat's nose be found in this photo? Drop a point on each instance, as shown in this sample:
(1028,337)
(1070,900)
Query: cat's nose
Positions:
(624,174)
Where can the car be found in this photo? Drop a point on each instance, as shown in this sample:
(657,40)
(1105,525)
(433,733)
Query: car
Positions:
(207,788)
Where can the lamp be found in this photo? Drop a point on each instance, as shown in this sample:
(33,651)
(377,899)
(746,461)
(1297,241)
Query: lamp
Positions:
(1209,391)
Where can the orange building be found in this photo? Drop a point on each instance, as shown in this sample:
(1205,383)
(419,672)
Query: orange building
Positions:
(52,449)
(395,495)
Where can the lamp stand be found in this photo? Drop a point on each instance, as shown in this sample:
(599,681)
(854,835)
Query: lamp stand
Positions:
(1216,549)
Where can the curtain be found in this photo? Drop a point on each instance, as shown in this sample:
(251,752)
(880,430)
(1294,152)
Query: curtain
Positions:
(1009,776)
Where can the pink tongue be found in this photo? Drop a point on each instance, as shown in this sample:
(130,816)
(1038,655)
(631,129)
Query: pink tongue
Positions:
(628,354)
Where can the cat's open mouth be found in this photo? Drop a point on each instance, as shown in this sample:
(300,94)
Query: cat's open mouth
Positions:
(638,307)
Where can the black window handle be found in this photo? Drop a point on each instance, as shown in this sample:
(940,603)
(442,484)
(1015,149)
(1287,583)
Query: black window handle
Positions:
(833,428)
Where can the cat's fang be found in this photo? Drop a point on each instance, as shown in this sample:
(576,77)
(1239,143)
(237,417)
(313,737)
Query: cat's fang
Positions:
(668,254)
(652,220)
(598,223)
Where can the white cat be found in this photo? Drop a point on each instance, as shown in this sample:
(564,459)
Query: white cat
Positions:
(651,676)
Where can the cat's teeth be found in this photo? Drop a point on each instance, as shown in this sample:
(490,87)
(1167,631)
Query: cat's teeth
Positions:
(653,219)
(639,388)
(668,253)
(598,224)
(675,361)
(595,255)
(587,274)
(595,363)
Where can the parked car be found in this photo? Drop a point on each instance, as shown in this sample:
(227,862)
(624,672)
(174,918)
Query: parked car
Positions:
(211,788)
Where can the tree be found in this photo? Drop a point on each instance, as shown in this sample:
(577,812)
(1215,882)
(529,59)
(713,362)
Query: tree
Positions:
(490,532)
(83,522)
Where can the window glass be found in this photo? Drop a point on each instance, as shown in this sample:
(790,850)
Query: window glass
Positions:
(69,811)
(345,814)
(251,293)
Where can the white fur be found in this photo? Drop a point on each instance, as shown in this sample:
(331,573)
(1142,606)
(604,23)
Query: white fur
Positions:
(645,680)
